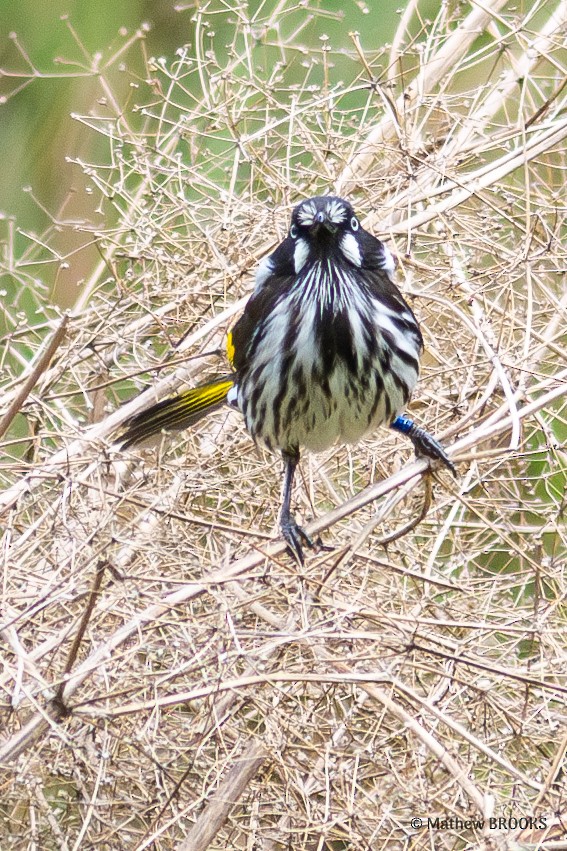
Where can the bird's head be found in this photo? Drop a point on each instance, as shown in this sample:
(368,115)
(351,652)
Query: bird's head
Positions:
(324,226)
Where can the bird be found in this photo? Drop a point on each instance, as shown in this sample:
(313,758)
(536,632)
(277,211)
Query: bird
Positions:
(325,351)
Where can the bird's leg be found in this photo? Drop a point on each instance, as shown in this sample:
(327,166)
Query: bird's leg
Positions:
(424,443)
(291,531)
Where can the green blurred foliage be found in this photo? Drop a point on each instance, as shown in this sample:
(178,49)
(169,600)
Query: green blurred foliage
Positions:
(36,130)
(48,55)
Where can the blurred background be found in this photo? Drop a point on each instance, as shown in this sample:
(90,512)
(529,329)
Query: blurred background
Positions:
(48,59)
(48,56)
(46,76)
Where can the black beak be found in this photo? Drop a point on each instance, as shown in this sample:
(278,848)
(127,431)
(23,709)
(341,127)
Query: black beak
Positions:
(321,220)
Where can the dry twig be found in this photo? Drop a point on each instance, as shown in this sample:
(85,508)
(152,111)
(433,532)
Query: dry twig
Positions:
(417,669)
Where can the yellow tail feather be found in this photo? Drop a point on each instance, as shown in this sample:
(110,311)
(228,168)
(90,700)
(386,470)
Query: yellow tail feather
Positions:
(176,413)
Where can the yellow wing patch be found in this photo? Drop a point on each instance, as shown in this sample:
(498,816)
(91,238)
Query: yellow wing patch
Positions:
(201,398)
(230,349)
(176,413)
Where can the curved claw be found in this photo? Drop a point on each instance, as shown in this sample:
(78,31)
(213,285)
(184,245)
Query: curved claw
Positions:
(295,536)
(424,443)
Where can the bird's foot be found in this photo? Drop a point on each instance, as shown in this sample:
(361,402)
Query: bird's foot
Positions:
(425,444)
(295,537)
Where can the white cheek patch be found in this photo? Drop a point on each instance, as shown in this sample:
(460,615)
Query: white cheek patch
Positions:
(300,254)
(388,262)
(351,249)
(263,272)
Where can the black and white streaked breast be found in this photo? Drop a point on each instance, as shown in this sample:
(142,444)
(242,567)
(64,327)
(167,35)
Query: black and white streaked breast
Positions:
(335,352)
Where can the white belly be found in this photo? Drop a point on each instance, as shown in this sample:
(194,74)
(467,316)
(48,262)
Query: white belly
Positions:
(311,408)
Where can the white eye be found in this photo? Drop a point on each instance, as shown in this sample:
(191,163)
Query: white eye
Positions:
(293,232)
(354,223)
